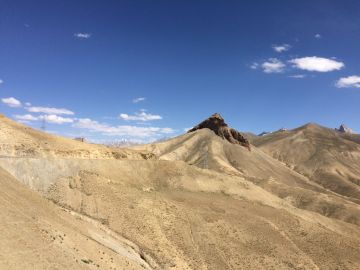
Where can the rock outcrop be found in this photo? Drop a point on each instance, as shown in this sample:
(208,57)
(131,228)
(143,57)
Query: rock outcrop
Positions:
(344,129)
(217,124)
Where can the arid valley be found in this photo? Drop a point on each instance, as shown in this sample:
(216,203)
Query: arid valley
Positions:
(202,200)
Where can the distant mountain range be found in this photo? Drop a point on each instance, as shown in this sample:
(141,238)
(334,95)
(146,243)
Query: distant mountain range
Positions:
(342,129)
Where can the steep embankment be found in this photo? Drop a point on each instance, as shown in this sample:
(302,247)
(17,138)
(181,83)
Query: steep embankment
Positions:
(36,234)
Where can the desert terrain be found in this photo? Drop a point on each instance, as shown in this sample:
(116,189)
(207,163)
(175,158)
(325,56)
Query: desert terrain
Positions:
(208,199)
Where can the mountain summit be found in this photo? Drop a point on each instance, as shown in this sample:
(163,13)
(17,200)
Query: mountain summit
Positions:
(217,124)
(345,129)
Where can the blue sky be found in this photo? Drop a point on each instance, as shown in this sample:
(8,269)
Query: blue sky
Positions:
(145,70)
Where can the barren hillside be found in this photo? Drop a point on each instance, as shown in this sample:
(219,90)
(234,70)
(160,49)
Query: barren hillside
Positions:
(200,202)
(18,140)
(327,157)
(36,234)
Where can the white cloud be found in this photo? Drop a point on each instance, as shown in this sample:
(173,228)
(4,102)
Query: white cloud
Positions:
(348,82)
(11,102)
(319,64)
(254,65)
(125,130)
(139,99)
(26,117)
(82,35)
(318,36)
(1,81)
(298,76)
(92,125)
(273,65)
(281,48)
(49,110)
(49,118)
(27,104)
(55,119)
(140,116)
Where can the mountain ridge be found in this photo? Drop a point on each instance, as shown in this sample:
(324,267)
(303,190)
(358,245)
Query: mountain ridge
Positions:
(196,192)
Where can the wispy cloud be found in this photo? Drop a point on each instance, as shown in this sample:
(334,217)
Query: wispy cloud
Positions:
(122,130)
(297,76)
(11,102)
(254,65)
(55,119)
(49,118)
(318,36)
(1,81)
(273,65)
(140,116)
(49,110)
(319,64)
(281,48)
(82,35)
(139,99)
(348,82)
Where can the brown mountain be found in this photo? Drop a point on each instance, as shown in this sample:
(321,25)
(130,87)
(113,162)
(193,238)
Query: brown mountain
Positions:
(217,124)
(325,156)
(198,202)
(204,149)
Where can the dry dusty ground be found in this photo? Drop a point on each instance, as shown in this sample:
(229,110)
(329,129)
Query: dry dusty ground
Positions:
(234,209)
(36,234)
(205,150)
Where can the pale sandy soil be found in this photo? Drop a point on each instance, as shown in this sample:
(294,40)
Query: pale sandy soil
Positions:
(36,234)
(194,202)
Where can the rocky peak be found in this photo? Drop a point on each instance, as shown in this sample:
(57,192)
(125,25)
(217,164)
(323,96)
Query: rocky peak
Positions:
(344,129)
(217,124)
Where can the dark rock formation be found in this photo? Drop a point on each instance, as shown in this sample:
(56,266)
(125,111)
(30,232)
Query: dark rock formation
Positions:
(344,129)
(217,124)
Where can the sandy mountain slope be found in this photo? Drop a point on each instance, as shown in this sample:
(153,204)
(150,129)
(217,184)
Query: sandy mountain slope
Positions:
(190,218)
(180,216)
(36,234)
(204,149)
(325,156)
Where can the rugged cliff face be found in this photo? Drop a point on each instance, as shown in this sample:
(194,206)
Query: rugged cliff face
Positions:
(217,124)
